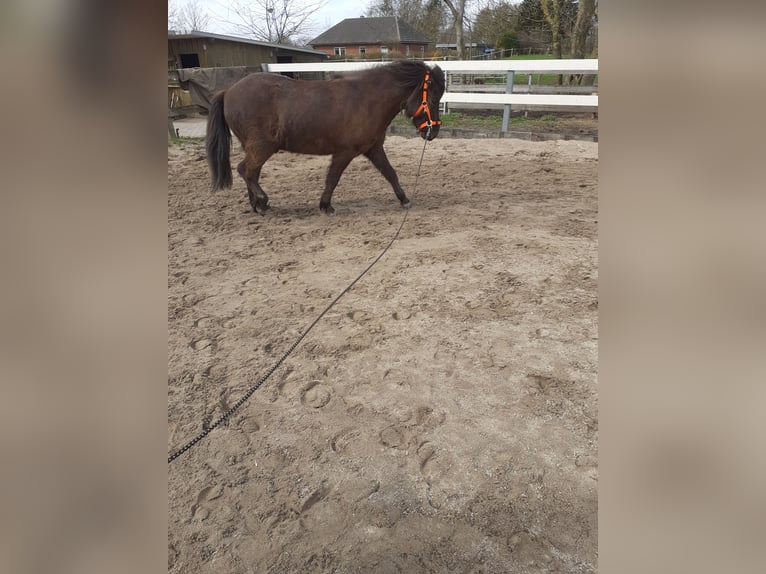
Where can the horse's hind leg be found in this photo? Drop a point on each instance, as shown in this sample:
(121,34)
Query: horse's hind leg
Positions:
(379,159)
(258,198)
(250,170)
(338,164)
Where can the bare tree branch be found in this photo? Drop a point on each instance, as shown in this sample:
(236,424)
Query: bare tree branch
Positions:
(458,14)
(277,21)
(188,16)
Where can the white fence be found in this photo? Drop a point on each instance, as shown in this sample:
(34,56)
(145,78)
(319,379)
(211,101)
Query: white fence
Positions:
(571,102)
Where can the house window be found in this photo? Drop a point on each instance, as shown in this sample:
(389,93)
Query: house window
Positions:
(362,50)
(422,51)
(189,60)
(384,50)
(407,50)
(341,51)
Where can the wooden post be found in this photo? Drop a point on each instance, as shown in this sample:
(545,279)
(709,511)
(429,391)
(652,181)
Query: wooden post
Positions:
(171,129)
(446,89)
(507,107)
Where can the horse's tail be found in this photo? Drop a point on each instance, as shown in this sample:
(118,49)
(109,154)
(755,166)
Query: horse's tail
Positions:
(218,144)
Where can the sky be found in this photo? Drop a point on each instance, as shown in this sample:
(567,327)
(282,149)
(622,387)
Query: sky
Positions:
(331,14)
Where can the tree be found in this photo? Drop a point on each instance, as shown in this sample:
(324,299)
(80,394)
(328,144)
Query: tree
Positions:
(586,10)
(496,23)
(552,13)
(173,16)
(433,20)
(187,17)
(531,17)
(411,11)
(457,9)
(561,16)
(535,25)
(276,21)
(426,16)
(586,15)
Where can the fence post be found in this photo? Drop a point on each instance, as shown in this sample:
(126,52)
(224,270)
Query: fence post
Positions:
(446,89)
(507,107)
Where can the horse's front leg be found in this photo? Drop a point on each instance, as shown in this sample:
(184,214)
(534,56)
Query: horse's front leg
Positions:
(338,164)
(379,159)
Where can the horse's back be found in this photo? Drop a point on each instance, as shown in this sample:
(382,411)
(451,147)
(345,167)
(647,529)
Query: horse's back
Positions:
(302,116)
(260,80)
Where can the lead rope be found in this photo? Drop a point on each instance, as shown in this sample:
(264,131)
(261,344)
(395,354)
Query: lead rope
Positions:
(297,342)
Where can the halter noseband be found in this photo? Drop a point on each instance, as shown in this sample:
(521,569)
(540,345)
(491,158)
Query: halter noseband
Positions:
(424,107)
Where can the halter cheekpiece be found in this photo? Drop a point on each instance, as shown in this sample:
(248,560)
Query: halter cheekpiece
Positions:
(425,108)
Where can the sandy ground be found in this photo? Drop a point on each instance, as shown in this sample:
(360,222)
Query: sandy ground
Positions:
(441,418)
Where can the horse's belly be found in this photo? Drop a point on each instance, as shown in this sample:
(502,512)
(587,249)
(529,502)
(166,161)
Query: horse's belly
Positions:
(311,145)
(317,135)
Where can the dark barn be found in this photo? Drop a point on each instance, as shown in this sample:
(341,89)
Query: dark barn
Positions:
(200,63)
(206,50)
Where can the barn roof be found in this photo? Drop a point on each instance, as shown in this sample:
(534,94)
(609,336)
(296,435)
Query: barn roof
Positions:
(382,30)
(198,34)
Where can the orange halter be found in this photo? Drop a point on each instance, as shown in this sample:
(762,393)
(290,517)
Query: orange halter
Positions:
(424,107)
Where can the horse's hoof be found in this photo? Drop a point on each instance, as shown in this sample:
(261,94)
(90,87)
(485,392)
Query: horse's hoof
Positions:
(261,209)
(329,210)
(407,205)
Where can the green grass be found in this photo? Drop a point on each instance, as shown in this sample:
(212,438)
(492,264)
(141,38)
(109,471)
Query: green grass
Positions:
(522,121)
(485,122)
(547,79)
(537,79)
(456,120)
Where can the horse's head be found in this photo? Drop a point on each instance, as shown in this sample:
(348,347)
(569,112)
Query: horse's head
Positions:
(423,104)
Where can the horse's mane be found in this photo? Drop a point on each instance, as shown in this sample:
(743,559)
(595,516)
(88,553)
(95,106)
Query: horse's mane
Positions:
(406,73)
(410,73)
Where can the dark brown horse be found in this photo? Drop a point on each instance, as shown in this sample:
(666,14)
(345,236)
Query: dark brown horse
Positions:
(343,117)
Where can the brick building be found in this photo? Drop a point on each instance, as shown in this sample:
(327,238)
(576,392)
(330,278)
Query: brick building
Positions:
(387,37)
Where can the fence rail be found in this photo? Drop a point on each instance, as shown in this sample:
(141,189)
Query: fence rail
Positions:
(586,66)
(569,102)
(547,100)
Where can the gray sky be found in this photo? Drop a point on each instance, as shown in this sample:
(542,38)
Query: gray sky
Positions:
(334,12)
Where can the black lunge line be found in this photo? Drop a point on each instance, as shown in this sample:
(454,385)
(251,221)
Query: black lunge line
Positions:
(297,342)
